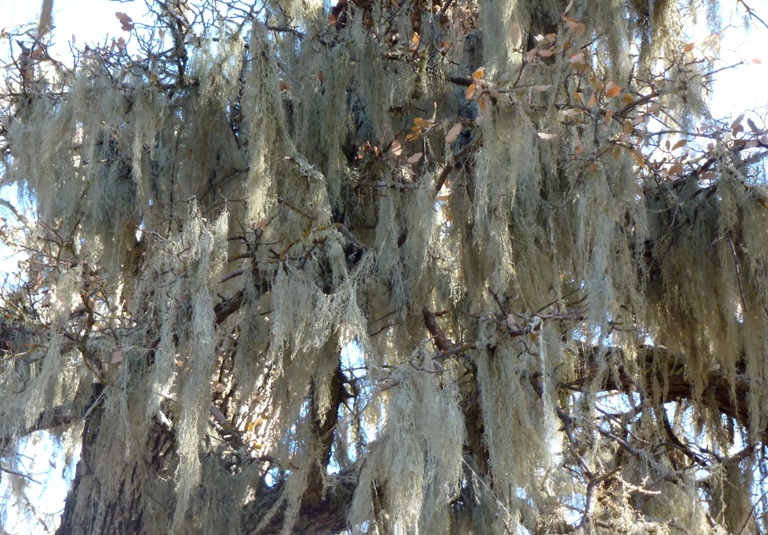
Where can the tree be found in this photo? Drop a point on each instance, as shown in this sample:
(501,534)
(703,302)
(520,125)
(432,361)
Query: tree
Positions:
(388,267)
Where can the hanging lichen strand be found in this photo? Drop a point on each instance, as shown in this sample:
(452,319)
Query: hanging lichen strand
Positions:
(420,262)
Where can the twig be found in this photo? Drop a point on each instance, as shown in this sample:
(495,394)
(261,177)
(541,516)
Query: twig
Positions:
(444,9)
(15,473)
(441,341)
(738,276)
(455,159)
(751,12)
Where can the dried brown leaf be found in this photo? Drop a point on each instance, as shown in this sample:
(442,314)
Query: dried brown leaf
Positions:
(453,133)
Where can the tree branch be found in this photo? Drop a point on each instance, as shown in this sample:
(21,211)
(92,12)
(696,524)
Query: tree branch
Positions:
(329,515)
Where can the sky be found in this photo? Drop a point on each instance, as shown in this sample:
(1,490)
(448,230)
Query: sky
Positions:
(736,91)
(88,20)
(94,21)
